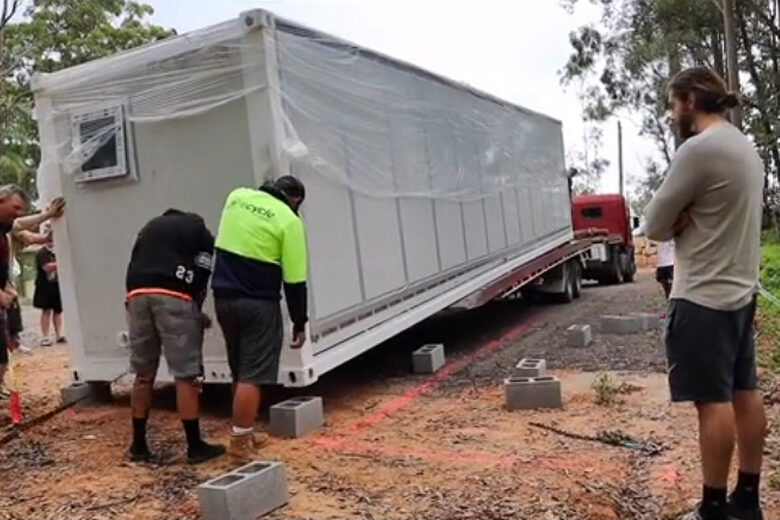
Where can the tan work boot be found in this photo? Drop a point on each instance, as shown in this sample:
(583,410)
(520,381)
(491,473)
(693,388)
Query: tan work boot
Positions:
(244,448)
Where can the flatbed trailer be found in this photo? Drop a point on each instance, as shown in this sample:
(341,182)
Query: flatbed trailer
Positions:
(558,272)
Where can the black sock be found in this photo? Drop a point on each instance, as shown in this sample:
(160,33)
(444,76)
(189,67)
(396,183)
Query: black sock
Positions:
(192,431)
(139,433)
(746,493)
(713,503)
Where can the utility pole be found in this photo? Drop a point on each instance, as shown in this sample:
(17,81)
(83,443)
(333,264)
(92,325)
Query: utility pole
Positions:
(730,28)
(620,155)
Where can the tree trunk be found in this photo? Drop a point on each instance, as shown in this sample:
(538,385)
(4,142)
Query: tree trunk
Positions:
(717,52)
(731,56)
(761,94)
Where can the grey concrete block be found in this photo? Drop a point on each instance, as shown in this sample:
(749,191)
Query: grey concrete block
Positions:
(621,324)
(531,393)
(649,321)
(579,336)
(246,493)
(428,359)
(296,417)
(529,367)
(86,394)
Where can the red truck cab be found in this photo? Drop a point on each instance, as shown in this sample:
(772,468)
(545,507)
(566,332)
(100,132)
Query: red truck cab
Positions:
(607,214)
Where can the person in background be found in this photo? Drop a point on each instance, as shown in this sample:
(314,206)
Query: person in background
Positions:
(47,293)
(260,247)
(711,204)
(664,270)
(166,282)
(13,200)
(22,234)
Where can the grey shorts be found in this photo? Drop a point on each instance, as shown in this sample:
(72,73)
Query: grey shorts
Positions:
(253,338)
(173,325)
(711,353)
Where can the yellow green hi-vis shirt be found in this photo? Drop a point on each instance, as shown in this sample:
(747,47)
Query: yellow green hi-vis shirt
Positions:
(261,243)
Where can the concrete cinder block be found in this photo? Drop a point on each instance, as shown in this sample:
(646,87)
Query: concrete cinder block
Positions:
(86,395)
(530,367)
(579,336)
(621,324)
(649,321)
(296,417)
(246,493)
(531,393)
(428,359)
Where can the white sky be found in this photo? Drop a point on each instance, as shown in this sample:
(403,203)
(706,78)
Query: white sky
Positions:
(502,47)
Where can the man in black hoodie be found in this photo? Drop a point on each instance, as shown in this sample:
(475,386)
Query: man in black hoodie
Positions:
(166,285)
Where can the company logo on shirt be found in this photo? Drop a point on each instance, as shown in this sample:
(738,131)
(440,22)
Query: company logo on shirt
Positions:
(256,210)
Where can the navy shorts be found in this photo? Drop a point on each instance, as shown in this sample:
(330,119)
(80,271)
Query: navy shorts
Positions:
(711,353)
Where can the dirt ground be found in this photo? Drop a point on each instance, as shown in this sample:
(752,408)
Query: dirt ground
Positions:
(396,445)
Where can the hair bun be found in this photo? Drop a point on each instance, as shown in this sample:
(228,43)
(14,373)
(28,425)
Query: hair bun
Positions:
(730,100)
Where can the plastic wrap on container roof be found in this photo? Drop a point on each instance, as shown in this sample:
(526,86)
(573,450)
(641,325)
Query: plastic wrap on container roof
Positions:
(382,128)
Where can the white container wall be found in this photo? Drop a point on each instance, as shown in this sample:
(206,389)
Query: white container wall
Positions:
(419,190)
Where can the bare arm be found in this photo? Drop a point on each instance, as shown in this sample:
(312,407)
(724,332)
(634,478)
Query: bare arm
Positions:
(28,237)
(50,267)
(30,222)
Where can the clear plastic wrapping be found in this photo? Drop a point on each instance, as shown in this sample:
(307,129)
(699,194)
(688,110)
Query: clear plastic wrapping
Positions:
(378,126)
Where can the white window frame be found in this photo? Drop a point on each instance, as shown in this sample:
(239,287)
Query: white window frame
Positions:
(117,112)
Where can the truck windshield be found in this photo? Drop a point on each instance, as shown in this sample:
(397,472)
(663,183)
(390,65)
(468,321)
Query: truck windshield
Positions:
(592,212)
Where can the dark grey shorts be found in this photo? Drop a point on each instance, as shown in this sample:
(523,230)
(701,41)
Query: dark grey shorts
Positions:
(253,338)
(711,353)
(172,324)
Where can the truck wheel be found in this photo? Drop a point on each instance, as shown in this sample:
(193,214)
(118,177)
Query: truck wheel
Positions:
(576,274)
(567,296)
(616,274)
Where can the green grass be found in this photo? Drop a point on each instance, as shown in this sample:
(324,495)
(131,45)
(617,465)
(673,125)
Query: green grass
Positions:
(768,313)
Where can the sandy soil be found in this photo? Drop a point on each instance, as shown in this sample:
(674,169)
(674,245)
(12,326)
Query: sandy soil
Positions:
(397,445)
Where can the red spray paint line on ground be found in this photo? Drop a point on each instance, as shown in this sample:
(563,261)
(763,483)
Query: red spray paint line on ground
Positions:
(355,447)
(432,382)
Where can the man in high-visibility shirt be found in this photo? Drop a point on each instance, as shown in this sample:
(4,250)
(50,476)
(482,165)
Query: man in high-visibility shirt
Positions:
(260,247)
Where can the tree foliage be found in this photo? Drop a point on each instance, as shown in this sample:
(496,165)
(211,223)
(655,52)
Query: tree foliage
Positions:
(52,35)
(628,57)
(587,161)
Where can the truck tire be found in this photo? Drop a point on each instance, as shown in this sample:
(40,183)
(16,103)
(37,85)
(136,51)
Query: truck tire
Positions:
(567,296)
(616,271)
(576,273)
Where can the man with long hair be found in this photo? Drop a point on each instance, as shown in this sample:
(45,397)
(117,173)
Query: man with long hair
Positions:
(710,203)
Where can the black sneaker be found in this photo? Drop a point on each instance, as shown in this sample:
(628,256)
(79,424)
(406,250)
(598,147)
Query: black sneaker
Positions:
(204,451)
(139,454)
(696,514)
(737,513)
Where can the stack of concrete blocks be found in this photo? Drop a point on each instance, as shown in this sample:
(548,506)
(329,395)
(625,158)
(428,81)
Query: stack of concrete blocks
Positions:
(428,359)
(621,324)
(246,493)
(532,393)
(529,367)
(296,417)
(579,336)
